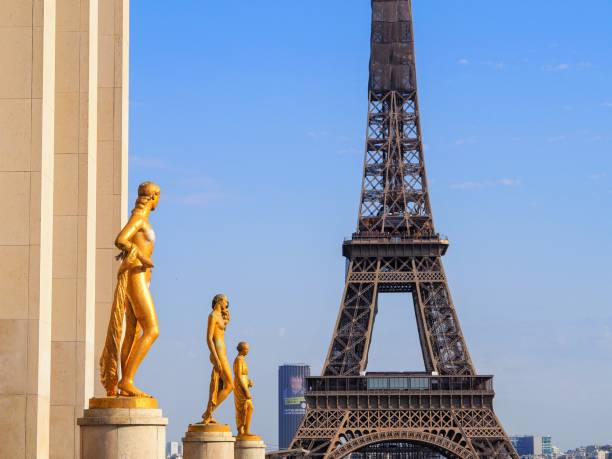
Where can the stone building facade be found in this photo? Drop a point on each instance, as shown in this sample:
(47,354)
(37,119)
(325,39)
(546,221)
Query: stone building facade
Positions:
(63,198)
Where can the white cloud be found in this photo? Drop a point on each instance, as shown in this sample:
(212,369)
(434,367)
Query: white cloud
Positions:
(317,135)
(565,66)
(556,68)
(465,141)
(508,182)
(559,138)
(147,162)
(199,182)
(187,186)
(606,104)
(197,199)
(497,65)
(463,62)
(471,185)
(597,176)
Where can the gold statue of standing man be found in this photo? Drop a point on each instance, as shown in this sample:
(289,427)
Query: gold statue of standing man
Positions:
(242,394)
(132,302)
(221,383)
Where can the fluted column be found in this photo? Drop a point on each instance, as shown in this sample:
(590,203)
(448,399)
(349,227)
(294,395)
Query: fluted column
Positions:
(63,188)
(74,222)
(113,35)
(27,112)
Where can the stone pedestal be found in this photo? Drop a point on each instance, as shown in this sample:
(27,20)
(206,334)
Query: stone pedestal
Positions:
(252,448)
(208,442)
(118,433)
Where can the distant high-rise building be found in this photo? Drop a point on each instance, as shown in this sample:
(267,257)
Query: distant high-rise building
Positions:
(547,446)
(532,445)
(291,401)
(174,450)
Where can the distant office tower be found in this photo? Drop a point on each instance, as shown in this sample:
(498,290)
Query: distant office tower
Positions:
(526,445)
(547,446)
(174,450)
(530,445)
(291,401)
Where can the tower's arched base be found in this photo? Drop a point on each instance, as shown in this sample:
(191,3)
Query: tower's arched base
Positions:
(452,416)
(399,444)
(397,450)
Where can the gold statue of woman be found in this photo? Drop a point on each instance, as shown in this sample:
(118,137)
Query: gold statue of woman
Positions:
(221,383)
(242,394)
(133,302)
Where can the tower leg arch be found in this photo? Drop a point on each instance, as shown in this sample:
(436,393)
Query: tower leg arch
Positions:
(438,443)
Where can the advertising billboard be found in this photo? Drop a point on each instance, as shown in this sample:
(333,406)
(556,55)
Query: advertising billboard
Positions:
(291,400)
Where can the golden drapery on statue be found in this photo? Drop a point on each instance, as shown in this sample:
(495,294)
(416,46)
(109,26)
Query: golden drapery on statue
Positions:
(109,361)
(242,394)
(132,303)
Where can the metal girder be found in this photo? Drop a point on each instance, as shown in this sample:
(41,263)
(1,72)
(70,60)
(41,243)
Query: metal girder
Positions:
(444,348)
(467,433)
(394,197)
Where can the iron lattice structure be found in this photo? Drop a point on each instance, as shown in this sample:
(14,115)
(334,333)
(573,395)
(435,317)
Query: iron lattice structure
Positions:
(447,411)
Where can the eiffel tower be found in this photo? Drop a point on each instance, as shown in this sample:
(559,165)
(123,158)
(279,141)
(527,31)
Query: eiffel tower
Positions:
(446,411)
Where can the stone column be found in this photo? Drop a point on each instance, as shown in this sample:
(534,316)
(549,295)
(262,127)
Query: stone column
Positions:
(57,191)
(112,155)
(118,433)
(27,105)
(208,442)
(72,356)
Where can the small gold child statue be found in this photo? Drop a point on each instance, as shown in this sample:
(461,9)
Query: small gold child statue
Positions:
(242,394)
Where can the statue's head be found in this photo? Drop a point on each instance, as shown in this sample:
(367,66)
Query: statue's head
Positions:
(148,195)
(243,348)
(221,301)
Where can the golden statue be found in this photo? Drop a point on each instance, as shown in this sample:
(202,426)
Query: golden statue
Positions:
(132,302)
(242,394)
(221,383)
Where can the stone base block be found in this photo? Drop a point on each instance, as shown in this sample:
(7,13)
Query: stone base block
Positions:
(118,433)
(123,402)
(250,449)
(208,445)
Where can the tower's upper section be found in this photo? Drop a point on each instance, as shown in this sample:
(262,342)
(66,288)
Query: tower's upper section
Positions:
(394,196)
(392,46)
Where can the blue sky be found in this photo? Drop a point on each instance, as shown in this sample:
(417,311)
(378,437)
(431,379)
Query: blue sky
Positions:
(251,117)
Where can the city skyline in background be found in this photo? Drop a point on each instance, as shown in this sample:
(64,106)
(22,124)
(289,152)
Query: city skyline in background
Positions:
(256,139)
